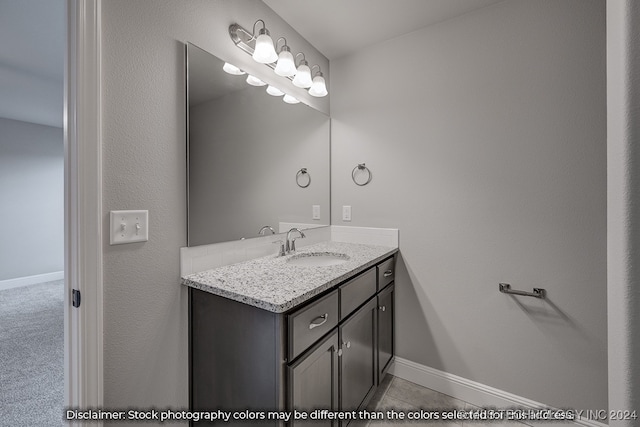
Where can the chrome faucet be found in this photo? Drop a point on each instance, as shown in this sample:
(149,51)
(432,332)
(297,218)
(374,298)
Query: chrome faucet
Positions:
(265,228)
(291,243)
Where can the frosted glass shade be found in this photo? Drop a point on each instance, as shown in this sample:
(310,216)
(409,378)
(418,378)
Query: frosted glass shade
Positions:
(254,81)
(303,76)
(232,69)
(274,91)
(285,66)
(318,87)
(264,52)
(290,99)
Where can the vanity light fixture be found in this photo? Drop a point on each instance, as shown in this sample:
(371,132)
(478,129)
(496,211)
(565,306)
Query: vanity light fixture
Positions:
(274,91)
(254,81)
(262,50)
(290,99)
(285,66)
(232,69)
(318,86)
(303,74)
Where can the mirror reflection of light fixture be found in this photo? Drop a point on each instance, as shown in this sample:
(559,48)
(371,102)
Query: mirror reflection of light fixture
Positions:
(254,81)
(261,48)
(303,74)
(232,69)
(264,52)
(286,66)
(318,87)
(290,99)
(274,91)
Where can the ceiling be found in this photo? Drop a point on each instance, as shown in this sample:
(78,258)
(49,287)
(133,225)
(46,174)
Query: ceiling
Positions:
(340,27)
(32,60)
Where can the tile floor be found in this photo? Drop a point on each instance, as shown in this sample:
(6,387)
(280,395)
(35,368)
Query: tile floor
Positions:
(404,396)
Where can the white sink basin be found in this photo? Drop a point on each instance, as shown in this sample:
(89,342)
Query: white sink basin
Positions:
(318,259)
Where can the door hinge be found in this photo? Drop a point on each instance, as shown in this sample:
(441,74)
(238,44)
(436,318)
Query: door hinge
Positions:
(75,298)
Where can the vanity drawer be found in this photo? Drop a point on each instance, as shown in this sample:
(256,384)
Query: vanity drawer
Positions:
(355,292)
(311,322)
(386,273)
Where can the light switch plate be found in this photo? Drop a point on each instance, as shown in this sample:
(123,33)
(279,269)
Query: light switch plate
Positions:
(129,227)
(316,211)
(346,213)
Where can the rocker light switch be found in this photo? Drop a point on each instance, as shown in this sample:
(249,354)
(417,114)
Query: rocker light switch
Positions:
(129,227)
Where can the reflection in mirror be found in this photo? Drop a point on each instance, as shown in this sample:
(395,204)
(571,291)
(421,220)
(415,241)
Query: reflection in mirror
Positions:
(245,150)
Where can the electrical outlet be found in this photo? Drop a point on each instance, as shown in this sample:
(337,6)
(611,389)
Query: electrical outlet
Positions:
(316,211)
(346,213)
(129,227)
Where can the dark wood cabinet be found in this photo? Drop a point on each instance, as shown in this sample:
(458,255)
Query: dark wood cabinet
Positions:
(329,353)
(357,363)
(386,309)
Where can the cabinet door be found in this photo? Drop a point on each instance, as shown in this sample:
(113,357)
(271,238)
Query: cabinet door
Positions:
(357,363)
(385,330)
(313,381)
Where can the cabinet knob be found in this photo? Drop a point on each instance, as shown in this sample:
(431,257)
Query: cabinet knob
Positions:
(347,344)
(339,351)
(382,308)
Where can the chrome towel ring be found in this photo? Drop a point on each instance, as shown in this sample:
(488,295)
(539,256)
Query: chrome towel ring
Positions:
(361,175)
(303,178)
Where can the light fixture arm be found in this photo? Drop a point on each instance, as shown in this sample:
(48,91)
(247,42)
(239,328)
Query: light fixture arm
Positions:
(264,27)
(304,59)
(319,71)
(283,46)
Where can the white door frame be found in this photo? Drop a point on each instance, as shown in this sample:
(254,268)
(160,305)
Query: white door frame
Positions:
(83,362)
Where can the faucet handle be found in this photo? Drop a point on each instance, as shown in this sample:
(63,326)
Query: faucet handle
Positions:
(281,251)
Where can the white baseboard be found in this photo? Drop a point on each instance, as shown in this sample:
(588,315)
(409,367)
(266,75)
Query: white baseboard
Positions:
(30,280)
(475,393)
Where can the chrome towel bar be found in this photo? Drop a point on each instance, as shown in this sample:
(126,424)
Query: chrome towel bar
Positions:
(505,288)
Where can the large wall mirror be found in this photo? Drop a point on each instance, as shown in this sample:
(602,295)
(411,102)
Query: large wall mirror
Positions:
(245,150)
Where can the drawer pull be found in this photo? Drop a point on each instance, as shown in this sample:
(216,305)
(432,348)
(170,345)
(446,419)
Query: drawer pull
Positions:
(382,308)
(388,273)
(322,320)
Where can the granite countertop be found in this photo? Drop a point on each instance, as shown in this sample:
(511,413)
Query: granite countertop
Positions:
(272,284)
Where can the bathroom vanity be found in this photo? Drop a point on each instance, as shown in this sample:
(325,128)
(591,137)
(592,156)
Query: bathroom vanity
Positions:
(271,335)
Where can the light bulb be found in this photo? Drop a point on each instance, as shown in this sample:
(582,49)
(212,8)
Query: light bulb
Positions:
(254,81)
(290,99)
(264,52)
(303,76)
(319,87)
(285,67)
(232,69)
(274,91)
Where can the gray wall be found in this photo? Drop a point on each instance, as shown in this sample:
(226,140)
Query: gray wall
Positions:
(244,151)
(32,199)
(489,154)
(144,167)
